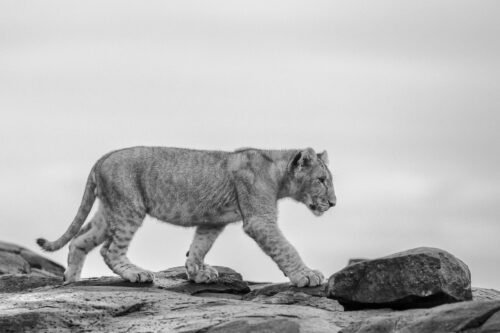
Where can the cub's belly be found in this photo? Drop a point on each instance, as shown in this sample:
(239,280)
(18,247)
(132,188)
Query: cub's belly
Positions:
(192,215)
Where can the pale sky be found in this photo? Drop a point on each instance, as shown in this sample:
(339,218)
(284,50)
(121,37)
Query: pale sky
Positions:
(404,96)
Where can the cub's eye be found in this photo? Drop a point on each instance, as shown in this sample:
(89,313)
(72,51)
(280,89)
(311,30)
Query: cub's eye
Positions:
(322,179)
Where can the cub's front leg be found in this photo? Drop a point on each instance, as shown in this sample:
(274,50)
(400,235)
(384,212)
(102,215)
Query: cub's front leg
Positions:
(196,269)
(264,230)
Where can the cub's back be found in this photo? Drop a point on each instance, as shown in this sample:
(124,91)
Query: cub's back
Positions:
(153,175)
(172,160)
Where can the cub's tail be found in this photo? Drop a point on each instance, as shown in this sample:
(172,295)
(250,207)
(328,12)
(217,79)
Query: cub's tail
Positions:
(87,202)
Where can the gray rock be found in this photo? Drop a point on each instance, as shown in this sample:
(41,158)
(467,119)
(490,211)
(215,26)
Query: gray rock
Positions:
(38,262)
(109,304)
(274,288)
(35,301)
(473,316)
(229,281)
(41,272)
(353,261)
(9,247)
(11,263)
(285,293)
(175,279)
(179,272)
(483,294)
(22,269)
(15,259)
(32,322)
(262,326)
(422,277)
(492,324)
(11,283)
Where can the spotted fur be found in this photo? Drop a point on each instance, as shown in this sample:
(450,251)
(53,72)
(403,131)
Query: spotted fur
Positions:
(205,189)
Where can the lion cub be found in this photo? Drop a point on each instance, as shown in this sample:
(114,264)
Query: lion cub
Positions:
(205,189)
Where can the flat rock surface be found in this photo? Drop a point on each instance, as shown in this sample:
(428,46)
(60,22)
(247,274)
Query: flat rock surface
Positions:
(33,299)
(483,294)
(11,283)
(421,277)
(472,316)
(285,293)
(109,304)
(105,304)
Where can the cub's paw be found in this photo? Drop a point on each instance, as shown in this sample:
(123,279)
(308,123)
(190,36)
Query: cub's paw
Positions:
(201,273)
(138,275)
(70,277)
(306,278)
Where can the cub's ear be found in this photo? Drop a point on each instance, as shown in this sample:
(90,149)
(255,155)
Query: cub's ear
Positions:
(323,156)
(302,159)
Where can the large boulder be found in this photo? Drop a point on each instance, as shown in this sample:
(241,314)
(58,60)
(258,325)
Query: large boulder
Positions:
(417,278)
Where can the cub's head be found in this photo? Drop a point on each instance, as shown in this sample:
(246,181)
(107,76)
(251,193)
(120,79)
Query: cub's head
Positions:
(310,181)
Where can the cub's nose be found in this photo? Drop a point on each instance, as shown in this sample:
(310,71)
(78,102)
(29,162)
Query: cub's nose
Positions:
(332,199)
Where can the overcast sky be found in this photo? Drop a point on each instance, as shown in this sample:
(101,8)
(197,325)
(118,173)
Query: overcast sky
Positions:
(404,96)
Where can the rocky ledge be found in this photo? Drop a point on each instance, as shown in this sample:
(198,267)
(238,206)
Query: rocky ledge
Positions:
(31,301)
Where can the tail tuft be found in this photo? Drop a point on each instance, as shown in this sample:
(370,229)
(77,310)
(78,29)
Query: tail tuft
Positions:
(42,242)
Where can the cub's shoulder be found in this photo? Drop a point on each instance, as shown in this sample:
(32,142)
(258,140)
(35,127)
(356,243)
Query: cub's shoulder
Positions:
(250,163)
(254,154)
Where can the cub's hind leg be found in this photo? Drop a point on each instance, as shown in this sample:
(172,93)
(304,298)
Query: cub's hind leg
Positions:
(89,237)
(121,230)
(204,238)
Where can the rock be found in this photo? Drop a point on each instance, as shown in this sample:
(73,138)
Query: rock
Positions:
(9,247)
(179,272)
(11,263)
(229,281)
(19,282)
(30,322)
(109,304)
(274,288)
(482,294)
(22,269)
(40,263)
(416,278)
(285,293)
(492,324)
(112,305)
(175,279)
(473,316)
(300,298)
(15,259)
(257,326)
(38,302)
(41,272)
(353,261)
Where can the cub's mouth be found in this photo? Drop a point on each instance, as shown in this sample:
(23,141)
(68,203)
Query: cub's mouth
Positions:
(316,209)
